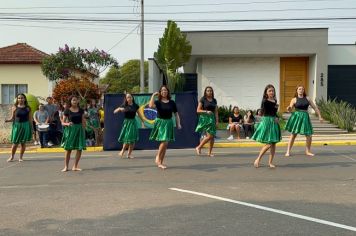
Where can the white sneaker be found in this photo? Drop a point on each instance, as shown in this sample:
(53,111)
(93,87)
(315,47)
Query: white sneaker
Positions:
(247,137)
(36,143)
(230,137)
(50,144)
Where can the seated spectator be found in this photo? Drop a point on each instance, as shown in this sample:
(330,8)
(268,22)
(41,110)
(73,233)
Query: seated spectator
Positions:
(258,118)
(235,123)
(249,121)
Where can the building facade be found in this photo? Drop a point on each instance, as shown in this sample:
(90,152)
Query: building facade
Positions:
(20,72)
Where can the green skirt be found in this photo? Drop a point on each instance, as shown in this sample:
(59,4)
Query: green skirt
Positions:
(163,130)
(299,123)
(268,131)
(74,137)
(21,132)
(206,123)
(129,132)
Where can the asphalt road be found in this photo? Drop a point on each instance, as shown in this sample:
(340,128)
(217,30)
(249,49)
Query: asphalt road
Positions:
(114,196)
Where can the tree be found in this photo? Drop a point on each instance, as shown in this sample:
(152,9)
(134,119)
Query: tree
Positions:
(67,62)
(84,88)
(126,78)
(80,66)
(173,51)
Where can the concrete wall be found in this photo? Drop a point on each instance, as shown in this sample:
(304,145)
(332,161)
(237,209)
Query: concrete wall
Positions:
(154,76)
(37,84)
(342,54)
(239,81)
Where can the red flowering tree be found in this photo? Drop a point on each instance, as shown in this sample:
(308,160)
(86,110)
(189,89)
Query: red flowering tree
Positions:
(84,88)
(74,70)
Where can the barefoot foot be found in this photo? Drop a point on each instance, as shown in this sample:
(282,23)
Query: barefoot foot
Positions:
(130,157)
(287,154)
(256,164)
(10,159)
(65,169)
(21,160)
(272,166)
(76,169)
(210,155)
(309,154)
(121,154)
(198,150)
(163,167)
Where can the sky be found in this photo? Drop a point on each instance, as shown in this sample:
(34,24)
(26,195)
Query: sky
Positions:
(27,21)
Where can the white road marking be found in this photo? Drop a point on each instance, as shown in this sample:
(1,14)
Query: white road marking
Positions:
(343,155)
(316,220)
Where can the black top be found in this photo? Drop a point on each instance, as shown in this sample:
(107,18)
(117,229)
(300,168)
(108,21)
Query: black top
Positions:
(207,105)
(164,110)
(302,103)
(21,114)
(236,119)
(130,110)
(74,117)
(269,108)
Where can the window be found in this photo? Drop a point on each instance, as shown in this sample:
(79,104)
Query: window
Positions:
(9,92)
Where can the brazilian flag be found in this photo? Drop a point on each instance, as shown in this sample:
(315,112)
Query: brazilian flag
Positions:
(149,114)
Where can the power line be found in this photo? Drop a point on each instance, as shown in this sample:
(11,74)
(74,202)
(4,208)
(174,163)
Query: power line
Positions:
(182,12)
(178,21)
(167,5)
(127,35)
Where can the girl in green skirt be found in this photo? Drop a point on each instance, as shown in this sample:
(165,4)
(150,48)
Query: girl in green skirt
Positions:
(299,121)
(21,126)
(208,120)
(74,134)
(163,130)
(268,130)
(129,132)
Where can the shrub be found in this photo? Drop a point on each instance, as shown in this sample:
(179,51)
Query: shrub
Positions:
(340,113)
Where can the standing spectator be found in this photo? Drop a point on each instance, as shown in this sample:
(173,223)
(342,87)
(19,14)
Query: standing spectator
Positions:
(51,109)
(93,114)
(41,118)
(235,123)
(35,132)
(248,125)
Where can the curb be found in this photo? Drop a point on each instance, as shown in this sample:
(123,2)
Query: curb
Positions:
(284,144)
(217,145)
(54,150)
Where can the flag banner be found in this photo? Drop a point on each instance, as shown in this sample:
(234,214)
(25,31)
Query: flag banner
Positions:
(184,138)
(148,114)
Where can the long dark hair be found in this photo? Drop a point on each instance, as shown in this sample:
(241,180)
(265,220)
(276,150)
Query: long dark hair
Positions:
(265,96)
(252,117)
(296,91)
(125,103)
(17,103)
(70,101)
(168,94)
(206,88)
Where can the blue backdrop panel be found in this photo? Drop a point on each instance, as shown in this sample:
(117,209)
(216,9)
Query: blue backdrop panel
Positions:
(185,138)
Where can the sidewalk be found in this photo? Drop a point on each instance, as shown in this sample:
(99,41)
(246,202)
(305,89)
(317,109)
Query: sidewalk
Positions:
(318,140)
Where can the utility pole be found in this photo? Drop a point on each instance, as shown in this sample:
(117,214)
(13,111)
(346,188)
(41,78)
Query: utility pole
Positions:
(142,62)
